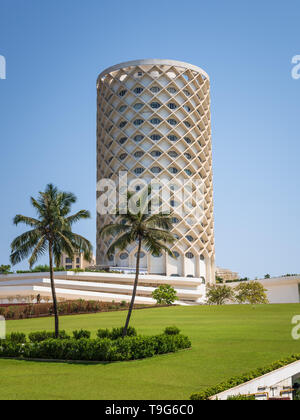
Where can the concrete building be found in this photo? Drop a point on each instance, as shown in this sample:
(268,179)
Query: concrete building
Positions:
(77,262)
(226,274)
(154,124)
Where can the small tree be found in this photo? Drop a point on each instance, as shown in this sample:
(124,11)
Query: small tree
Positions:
(219,295)
(267,276)
(165,295)
(252,293)
(4,269)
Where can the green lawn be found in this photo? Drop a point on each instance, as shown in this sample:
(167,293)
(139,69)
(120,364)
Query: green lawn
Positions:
(226,341)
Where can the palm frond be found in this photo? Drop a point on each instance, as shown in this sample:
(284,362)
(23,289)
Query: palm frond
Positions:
(121,243)
(113,229)
(29,221)
(82,214)
(38,251)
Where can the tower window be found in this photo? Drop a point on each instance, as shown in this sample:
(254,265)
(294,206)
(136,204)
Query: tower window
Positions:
(173,170)
(138,154)
(123,156)
(155,137)
(138,122)
(123,92)
(155,89)
(155,121)
(138,106)
(155,153)
(172,105)
(123,256)
(189,255)
(173,154)
(188,172)
(190,238)
(156,170)
(138,90)
(155,105)
(123,140)
(176,254)
(139,170)
(187,108)
(187,124)
(172,137)
(188,140)
(172,122)
(138,138)
(186,92)
(172,90)
(122,108)
(122,124)
(188,156)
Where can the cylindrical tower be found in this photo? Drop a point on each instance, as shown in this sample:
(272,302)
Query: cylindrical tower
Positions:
(154,123)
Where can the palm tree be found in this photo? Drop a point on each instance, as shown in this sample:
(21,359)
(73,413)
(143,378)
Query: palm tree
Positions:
(151,231)
(51,232)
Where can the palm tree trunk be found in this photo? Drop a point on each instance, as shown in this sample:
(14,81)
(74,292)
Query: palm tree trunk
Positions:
(137,272)
(53,291)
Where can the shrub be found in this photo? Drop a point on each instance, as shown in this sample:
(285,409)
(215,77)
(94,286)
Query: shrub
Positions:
(219,295)
(39,336)
(172,330)
(81,334)
(116,333)
(165,294)
(238,380)
(104,349)
(241,398)
(17,338)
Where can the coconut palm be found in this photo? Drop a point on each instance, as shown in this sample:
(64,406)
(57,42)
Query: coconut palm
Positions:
(50,232)
(151,231)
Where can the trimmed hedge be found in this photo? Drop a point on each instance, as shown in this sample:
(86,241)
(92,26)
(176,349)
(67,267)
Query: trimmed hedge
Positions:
(116,333)
(39,336)
(172,330)
(239,380)
(105,349)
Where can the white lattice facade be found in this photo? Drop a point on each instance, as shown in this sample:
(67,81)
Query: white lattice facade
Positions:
(154,123)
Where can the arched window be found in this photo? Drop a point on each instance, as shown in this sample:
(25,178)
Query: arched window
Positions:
(123,256)
(176,254)
(189,255)
(158,256)
(202,257)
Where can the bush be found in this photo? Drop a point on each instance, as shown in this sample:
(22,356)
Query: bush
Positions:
(238,380)
(165,295)
(241,398)
(81,334)
(104,349)
(172,330)
(116,333)
(17,338)
(39,336)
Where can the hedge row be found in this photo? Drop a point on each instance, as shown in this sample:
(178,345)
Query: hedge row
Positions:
(105,349)
(239,380)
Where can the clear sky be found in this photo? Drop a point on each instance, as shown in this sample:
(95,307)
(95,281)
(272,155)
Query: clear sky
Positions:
(56,48)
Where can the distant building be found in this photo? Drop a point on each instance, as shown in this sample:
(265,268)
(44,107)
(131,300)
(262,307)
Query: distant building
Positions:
(77,262)
(226,274)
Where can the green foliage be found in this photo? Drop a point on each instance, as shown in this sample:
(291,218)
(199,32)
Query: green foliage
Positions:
(104,349)
(241,398)
(165,294)
(16,337)
(219,295)
(172,330)
(116,333)
(40,336)
(5,269)
(267,276)
(238,380)
(78,335)
(252,292)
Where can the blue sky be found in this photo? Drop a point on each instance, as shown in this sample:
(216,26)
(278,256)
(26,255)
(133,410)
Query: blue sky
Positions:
(54,52)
